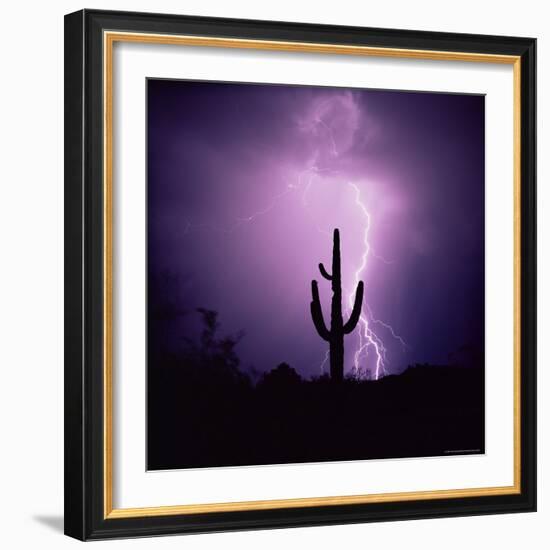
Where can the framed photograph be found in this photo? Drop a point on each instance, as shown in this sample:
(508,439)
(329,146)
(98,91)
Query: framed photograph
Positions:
(300,274)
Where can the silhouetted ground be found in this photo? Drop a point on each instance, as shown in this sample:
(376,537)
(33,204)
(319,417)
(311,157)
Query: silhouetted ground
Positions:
(204,411)
(206,414)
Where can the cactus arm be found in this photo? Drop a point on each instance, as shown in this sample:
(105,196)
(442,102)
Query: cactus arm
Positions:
(324,272)
(317,313)
(356,313)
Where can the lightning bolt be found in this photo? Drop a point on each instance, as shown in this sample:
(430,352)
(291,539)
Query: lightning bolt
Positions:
(387,327)
(380,258)
(368,339)
(325,361)
(319,120)
(304,183)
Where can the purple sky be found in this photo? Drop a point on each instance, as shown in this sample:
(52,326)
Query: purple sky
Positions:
(246,183)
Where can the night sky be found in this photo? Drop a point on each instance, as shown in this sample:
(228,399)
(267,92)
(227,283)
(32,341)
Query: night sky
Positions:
(246,184)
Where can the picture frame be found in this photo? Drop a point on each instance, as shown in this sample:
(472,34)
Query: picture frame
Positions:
(91,161)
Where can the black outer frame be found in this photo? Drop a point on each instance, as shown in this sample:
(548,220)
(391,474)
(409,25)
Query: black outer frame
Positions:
(84,516)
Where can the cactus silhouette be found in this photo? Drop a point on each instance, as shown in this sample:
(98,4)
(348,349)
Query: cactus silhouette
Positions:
(335,336)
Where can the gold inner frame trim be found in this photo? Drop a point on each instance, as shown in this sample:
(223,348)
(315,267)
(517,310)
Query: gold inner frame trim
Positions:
(109,39)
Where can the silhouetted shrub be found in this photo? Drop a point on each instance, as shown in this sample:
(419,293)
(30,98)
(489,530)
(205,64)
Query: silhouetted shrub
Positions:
(215,357)
(282,376)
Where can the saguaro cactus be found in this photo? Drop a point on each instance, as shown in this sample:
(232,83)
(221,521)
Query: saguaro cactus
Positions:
(335,336)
